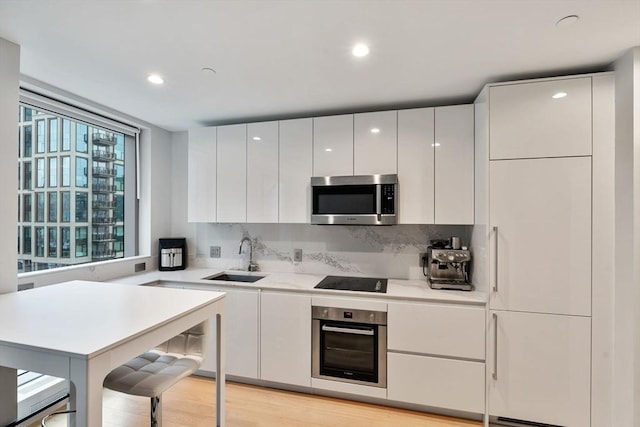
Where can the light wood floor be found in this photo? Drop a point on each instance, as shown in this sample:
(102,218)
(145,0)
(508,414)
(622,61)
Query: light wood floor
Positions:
(191,403)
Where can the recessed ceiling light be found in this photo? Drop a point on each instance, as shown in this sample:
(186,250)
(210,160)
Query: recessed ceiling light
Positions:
(257,138)
(328,149)
(559,95)
(567,21)
(375,130)
(360,50)
(155,79)
(437,144)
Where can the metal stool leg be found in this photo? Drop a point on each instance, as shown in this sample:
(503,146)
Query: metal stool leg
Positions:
(156,411)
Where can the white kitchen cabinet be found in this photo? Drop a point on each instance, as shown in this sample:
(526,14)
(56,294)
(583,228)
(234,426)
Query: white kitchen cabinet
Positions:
(285,336)
(437,382)
(201,175)
(375,143)
(333,145)
(241,333)
(262,172)
(542,211)
(527,121)
(232,173)
(447,330)
(416,165)
(296,169)
(542,371)
(454,163)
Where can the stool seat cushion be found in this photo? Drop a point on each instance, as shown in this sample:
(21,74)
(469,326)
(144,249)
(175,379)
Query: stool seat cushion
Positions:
(151,373)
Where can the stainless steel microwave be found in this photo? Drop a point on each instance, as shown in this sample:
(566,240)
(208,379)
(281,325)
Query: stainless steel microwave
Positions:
(354,200)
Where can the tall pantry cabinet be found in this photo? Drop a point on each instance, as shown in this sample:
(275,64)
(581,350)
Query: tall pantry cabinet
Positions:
(535,145)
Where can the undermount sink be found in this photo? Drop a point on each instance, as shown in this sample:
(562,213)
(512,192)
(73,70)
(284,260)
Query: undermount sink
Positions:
(234,277)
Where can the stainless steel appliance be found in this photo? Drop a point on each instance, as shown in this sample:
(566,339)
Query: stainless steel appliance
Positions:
(172,254)
(355,200)
(360,284)
(349,345)
(448,268)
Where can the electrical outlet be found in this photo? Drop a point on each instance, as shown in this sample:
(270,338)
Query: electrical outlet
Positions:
(297,255)
(214,251)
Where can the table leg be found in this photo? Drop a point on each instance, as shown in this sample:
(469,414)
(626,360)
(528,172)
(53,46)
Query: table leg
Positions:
(85,395)
(220,372)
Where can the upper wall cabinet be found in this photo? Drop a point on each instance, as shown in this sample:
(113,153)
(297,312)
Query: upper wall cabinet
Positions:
(375,146)
(296,167)
(416,166)
(232,173)
(201,198)
(454,162)
(333,145)
(262,172)
(541,119)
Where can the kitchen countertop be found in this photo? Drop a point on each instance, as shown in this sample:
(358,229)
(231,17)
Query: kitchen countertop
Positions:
(397,289)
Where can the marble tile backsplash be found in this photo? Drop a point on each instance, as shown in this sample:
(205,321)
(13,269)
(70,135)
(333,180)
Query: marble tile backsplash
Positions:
(390,251)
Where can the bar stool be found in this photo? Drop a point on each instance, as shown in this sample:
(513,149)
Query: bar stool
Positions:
(155,371)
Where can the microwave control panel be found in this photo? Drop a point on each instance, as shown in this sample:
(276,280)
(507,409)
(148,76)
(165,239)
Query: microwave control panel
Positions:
(388,199)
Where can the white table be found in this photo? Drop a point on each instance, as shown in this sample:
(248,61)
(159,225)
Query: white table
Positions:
(82,330)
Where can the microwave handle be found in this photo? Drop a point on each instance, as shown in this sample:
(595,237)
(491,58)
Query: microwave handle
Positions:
(379,201)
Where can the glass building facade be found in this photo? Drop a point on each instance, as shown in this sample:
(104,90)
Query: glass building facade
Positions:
(70,192)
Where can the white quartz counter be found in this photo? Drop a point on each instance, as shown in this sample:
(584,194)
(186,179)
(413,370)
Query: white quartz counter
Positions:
(416,290)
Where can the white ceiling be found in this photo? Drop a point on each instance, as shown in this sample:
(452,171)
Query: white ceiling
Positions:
(291,58)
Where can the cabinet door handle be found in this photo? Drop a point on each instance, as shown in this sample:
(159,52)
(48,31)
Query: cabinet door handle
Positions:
(495,347)
(495,260)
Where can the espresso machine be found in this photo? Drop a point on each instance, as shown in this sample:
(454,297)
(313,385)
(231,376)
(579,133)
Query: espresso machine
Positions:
(447,265)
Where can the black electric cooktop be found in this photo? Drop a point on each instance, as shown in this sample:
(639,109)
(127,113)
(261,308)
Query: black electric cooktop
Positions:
(360,284)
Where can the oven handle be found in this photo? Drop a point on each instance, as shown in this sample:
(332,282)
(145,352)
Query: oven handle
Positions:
(347,330)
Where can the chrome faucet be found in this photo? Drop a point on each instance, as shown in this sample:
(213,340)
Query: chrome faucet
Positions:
(252,266)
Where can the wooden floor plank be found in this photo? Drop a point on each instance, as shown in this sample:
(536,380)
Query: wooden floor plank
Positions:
(191,403)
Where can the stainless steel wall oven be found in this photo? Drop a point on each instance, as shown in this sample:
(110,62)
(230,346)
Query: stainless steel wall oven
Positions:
(349,345)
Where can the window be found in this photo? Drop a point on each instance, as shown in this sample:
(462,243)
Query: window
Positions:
(65,207)
(66,135)
(81,242)
(28,173)
(26,240)
(53,135)
(53,171)
(81,207)
(82,138)
(94,167)
(81,172)
(39,207)
(40,141)
(40,173)
(53,207)
(26,207)
(28,141)
(65,242)
(66,171)
(40,241)
(53,242)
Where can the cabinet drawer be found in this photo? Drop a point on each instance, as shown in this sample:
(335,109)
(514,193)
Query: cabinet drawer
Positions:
(437,329)
(432,381)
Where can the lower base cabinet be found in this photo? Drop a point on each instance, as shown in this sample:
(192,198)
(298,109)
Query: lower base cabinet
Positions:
(241,334)
(437,382)
(542,370)
(285,338)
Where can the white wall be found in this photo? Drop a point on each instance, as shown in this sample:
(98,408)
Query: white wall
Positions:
(9,78)
(155,189)
(627,242)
